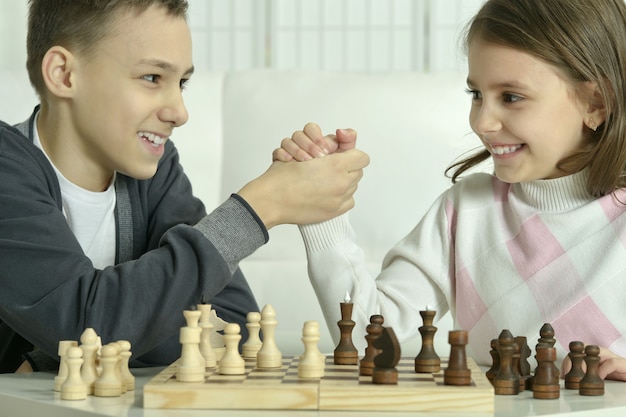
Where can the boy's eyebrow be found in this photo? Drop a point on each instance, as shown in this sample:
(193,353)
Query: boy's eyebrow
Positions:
(164,65)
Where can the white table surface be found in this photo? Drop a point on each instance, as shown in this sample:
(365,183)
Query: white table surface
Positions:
(32,395)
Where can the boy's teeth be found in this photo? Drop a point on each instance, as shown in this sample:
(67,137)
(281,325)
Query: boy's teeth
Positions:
(156,140)
(501,150)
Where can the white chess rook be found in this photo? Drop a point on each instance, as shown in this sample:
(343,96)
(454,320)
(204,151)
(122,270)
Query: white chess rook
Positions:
(62,375)
(191,363)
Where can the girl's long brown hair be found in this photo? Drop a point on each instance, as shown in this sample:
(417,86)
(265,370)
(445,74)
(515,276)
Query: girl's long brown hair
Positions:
(586,42)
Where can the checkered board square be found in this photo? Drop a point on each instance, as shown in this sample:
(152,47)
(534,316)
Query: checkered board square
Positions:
(341,388)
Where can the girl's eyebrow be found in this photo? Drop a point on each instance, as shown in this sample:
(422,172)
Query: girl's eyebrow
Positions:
(504,85)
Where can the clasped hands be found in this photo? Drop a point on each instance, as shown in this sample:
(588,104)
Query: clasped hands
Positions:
(319,189)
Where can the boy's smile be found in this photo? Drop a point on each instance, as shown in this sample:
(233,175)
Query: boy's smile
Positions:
(125,101)
(523,110)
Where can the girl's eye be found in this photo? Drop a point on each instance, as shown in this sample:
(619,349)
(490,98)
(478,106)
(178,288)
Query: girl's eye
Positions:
(184,83)
(474,93)
(153,78)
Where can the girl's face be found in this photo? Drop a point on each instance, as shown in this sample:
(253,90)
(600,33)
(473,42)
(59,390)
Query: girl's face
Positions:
(525,113)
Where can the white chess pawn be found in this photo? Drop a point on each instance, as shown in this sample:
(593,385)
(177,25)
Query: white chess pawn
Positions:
(315,328)
(108,383)
(73,388)
(62,375)
(89,345)
(269,356)
(128,379)
(118,366)
(251,347)
(311,363)
(232,363)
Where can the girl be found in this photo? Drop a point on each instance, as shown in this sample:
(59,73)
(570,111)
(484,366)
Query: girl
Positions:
(541,240)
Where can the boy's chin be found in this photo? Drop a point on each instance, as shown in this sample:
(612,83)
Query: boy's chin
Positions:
(145,174)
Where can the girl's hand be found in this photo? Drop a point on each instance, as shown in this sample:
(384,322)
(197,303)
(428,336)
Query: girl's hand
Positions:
(611,366)
(309,143)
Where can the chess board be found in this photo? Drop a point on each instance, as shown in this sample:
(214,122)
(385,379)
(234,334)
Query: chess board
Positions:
(341,388)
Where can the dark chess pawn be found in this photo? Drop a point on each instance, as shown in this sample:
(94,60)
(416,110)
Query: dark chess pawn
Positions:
(576,373)
(374,330)
(505,382)
(427,360)
(385,362)
(457,372)
(591,384)
(546,381)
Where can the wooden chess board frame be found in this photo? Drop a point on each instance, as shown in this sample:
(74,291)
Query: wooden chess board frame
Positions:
(341,388)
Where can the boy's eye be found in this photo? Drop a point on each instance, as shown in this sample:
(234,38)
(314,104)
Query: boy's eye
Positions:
(184,83)
(511,98)
(153,78)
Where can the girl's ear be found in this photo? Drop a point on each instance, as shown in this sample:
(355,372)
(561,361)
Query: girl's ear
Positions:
(595,111)
(57,69)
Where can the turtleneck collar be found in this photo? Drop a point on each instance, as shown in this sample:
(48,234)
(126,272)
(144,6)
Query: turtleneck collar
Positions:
(558,194)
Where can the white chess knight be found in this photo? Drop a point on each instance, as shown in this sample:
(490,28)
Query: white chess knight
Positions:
(213,325)
(312,361)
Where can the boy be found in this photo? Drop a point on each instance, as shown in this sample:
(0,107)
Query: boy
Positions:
(98,225)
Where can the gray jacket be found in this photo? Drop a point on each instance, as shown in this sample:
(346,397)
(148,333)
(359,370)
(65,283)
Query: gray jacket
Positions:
(170,255)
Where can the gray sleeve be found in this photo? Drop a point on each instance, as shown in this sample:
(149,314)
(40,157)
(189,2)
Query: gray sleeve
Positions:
(234,229)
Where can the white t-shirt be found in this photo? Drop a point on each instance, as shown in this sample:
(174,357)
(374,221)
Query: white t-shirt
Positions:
(90,215)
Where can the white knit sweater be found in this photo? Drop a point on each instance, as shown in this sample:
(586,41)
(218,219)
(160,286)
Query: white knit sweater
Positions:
(498,256)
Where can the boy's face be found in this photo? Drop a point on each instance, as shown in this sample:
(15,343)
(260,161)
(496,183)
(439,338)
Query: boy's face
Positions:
(129,94)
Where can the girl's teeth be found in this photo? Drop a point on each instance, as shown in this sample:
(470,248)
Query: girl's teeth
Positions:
(501,150)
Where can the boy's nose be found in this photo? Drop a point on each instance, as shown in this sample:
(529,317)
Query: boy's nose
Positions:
(174,111)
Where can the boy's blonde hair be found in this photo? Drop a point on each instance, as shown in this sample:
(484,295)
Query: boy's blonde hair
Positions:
(78,25)
(586,42)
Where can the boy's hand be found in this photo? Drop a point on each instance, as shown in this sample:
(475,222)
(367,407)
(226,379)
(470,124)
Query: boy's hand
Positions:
(611,366)
(309,143)
(308,192)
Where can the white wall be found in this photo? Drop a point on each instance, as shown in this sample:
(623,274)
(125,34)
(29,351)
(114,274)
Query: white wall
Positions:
(352,35)
(13,15)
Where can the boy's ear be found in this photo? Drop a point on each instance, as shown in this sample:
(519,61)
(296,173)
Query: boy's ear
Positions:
(57,69)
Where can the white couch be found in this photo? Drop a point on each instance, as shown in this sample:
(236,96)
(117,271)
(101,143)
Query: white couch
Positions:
(411,125)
